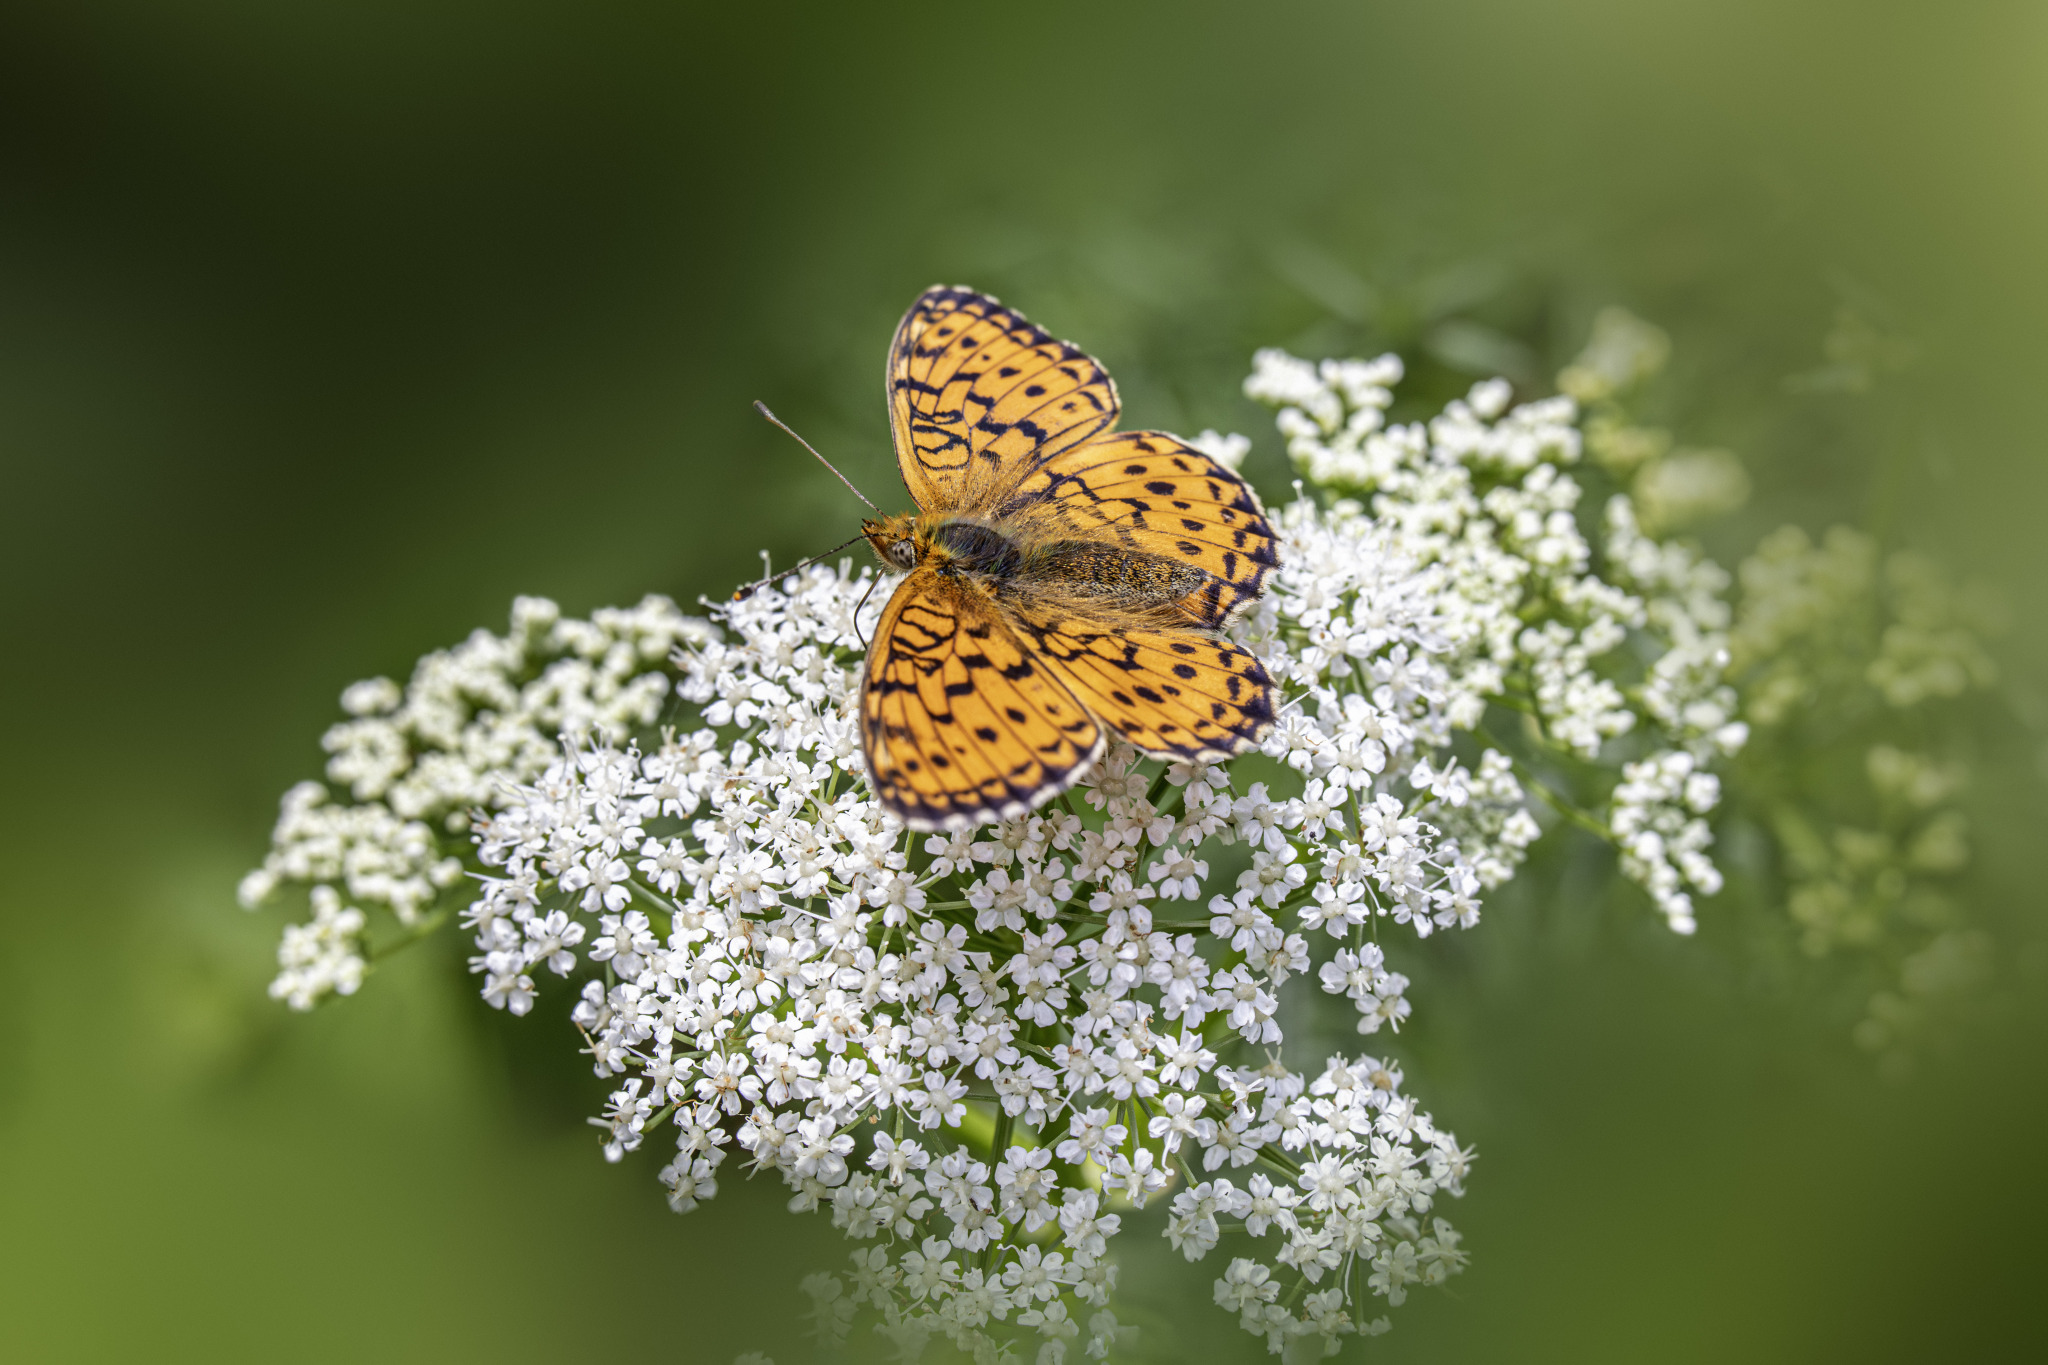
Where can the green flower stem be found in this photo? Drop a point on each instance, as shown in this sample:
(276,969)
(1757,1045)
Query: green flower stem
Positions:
(1553,798)
(426,926)
(999,1142)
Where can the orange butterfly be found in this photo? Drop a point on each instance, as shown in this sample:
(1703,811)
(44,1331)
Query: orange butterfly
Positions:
(1062,581)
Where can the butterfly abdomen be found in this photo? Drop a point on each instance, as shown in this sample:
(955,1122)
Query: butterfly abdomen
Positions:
(1080,568)
(1090,568)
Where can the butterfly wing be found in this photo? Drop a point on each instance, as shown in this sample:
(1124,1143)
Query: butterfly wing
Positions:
(977,395)
(1175,694)
(959,723)
(1155,493)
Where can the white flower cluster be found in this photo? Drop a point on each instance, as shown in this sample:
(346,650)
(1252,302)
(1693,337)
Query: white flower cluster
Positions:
(1528,613)
(1363,631)
(417,761)
(976,1050)
(963,1044)
(321,955)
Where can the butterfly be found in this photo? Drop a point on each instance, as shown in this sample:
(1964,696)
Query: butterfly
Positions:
(1063,582)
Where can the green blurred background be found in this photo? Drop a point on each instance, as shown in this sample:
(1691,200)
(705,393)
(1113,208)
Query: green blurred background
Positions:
(325,328)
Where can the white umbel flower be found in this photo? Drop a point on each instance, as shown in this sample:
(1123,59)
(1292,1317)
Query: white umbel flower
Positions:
(975,1052)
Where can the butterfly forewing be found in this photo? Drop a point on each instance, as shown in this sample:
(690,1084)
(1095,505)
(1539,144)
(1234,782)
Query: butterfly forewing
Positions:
(978,395)
(1156,494)
(960,724)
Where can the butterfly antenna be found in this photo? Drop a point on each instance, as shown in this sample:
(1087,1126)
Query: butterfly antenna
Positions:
(856,612)
(742,594)
(762,408)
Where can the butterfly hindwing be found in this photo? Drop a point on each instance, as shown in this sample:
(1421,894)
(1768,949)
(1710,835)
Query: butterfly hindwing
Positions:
(1156,494)
(1174,694)
(960,724)
(978,395)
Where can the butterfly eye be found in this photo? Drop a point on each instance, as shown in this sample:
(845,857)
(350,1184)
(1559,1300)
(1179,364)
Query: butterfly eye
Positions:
(903,555)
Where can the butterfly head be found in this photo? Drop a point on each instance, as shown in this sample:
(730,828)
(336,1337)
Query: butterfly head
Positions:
(894,538)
